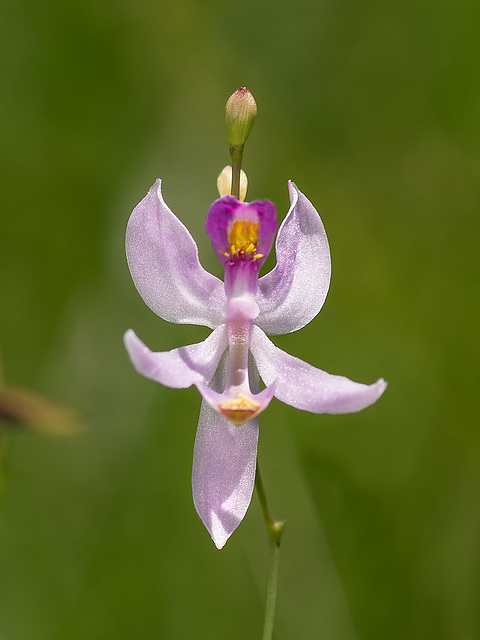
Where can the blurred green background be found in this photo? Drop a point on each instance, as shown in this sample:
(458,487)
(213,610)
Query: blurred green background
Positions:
(373,109)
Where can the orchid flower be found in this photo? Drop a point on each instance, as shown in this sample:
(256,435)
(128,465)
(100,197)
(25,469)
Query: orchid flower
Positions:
(225,367)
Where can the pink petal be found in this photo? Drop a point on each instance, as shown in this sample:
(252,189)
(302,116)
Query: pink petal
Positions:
(225,211)
(217,401)
(163,260)
(223,476)
(305,387)
(179,368)
(294,291)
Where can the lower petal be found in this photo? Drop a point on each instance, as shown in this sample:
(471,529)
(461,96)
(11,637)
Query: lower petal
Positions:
(223,477)
(305,387)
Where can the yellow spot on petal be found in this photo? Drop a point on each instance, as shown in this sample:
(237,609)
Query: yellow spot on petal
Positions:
(240,409)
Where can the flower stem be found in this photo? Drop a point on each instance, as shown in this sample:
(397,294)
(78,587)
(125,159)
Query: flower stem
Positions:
(236,170)
(274,530)
(236,156)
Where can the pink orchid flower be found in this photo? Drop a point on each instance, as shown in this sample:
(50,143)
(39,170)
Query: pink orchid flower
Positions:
(225,367)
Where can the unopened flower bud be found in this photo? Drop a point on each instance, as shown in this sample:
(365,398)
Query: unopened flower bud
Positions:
(224,183)
(240,112)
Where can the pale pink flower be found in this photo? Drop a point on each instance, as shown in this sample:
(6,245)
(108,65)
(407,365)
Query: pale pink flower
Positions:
(163,260)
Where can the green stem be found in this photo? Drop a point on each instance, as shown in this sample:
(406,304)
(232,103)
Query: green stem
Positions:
(274,530)
(236,155)
(236,168)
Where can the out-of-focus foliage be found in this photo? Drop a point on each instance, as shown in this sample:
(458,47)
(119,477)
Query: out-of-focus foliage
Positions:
(372,108)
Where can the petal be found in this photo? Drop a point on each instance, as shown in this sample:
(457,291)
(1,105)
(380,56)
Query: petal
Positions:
(305,387)
(240,407)
(294,291)
(241,225)
(163,260)
(223,477)
(179,368)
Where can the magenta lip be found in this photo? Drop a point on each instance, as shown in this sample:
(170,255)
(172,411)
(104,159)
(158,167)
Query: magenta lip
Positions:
(225,211)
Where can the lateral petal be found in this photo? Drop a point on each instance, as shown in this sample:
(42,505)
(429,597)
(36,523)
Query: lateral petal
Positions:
(223,476)
(292,294)
(304,387)
(179,368)
(163,260)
